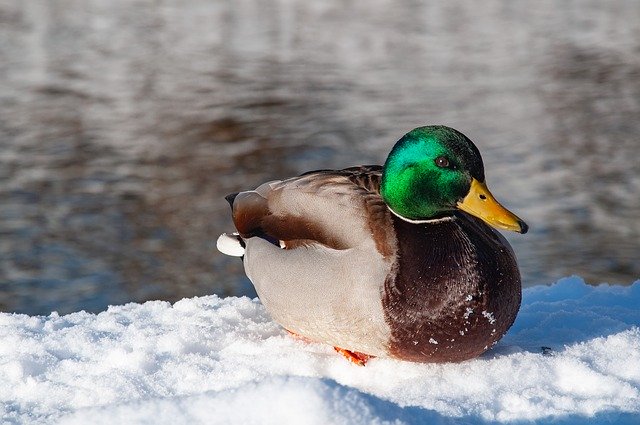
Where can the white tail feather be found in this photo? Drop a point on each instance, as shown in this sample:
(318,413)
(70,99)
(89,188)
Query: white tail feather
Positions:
(230,245)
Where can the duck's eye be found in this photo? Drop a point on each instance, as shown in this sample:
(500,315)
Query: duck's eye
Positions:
(442,162)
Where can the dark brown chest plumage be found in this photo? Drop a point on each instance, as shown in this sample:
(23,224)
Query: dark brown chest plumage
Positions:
(454,293)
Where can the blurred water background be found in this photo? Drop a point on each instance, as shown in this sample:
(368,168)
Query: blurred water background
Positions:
(123,123)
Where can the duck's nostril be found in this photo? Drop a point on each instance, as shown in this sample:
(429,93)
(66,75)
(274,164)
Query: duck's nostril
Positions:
(483,197)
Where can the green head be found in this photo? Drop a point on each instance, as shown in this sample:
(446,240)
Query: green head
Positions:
(434,170)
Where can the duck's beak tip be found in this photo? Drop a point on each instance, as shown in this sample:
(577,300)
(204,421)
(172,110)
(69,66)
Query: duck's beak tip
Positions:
(524,227)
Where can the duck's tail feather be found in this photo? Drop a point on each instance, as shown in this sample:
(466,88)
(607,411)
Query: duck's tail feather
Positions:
(230,198)
(231,244)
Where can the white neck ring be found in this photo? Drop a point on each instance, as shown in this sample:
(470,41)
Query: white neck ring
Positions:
(427,221)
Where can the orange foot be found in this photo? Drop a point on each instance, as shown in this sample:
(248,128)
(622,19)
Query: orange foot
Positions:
(299,337)
(353,356)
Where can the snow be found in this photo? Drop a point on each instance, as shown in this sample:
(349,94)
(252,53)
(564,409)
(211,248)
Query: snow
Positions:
(573,356)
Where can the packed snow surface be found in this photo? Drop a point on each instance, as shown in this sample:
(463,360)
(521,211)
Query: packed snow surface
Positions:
(573,356)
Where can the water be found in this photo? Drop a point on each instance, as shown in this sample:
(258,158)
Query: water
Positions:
(124,123)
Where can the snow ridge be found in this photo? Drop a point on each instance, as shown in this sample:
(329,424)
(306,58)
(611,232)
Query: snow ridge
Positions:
(571,357)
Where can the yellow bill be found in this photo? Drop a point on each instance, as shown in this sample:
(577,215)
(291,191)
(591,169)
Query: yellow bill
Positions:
(481,203)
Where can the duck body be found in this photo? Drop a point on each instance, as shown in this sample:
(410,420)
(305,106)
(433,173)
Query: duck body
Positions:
(333,262)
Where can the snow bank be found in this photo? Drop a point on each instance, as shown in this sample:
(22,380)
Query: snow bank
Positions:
(212,360)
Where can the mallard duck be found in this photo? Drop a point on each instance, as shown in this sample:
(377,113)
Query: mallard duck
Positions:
(385,261)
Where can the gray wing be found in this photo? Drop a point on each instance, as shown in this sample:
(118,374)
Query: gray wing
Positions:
(335,208)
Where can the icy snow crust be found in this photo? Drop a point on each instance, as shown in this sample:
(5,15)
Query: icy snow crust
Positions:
(212,360)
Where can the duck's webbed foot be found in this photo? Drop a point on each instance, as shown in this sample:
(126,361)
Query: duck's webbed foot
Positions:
(298,336)
(353,356)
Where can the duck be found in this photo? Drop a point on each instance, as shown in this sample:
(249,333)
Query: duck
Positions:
(398,261)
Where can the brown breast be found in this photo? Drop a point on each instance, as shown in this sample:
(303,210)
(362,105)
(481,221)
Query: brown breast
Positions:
(455,290)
